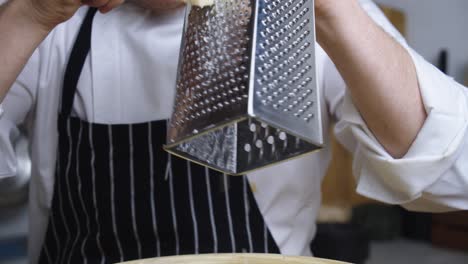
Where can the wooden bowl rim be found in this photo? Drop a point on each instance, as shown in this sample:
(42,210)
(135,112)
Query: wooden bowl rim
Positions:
(241,258)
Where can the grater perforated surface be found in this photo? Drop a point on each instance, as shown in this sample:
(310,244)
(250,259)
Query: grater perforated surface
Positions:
(285,84)
(214,70)
(246,92)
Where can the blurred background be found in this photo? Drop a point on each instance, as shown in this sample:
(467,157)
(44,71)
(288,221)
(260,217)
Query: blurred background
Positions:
(351,228)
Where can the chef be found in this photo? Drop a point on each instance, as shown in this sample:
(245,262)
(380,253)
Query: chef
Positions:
(92,84)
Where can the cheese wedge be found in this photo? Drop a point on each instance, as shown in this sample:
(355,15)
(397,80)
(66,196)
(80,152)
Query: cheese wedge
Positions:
(200,3)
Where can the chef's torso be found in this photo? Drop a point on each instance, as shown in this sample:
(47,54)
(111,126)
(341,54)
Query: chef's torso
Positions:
(129,77)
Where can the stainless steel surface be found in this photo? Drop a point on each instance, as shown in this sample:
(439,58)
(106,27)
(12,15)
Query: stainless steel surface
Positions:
(247,93)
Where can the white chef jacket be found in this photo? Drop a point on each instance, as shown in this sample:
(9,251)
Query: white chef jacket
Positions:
(129,77)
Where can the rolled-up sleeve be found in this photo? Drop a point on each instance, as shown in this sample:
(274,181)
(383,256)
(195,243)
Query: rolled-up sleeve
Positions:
(17,105)
(433,175)
(8,133)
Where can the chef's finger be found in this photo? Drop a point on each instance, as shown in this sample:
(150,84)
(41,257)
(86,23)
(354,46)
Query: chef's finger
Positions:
(95,3)
(111,5)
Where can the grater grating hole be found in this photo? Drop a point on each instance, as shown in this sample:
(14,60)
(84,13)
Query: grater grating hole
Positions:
(282,136)
(259,143)
(247,148)
(253,128)
(271,140)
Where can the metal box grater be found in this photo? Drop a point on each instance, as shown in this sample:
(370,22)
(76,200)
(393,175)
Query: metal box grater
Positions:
(247,93)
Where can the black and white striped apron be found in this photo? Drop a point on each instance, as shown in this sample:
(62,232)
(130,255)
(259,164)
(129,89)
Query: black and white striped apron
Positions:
(118,196)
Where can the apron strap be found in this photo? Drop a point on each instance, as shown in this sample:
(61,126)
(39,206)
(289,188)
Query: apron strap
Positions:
(76,62)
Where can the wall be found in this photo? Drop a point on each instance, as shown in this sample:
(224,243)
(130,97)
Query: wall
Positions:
(436,24)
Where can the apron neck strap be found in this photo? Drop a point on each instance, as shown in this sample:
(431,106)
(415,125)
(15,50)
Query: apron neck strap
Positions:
(76,62)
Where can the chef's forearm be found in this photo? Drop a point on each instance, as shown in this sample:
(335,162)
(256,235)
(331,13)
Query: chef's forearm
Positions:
(378,71)
(19,37)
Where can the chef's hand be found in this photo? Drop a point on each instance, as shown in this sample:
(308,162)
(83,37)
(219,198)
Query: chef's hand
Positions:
(24,24)
(50,13)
